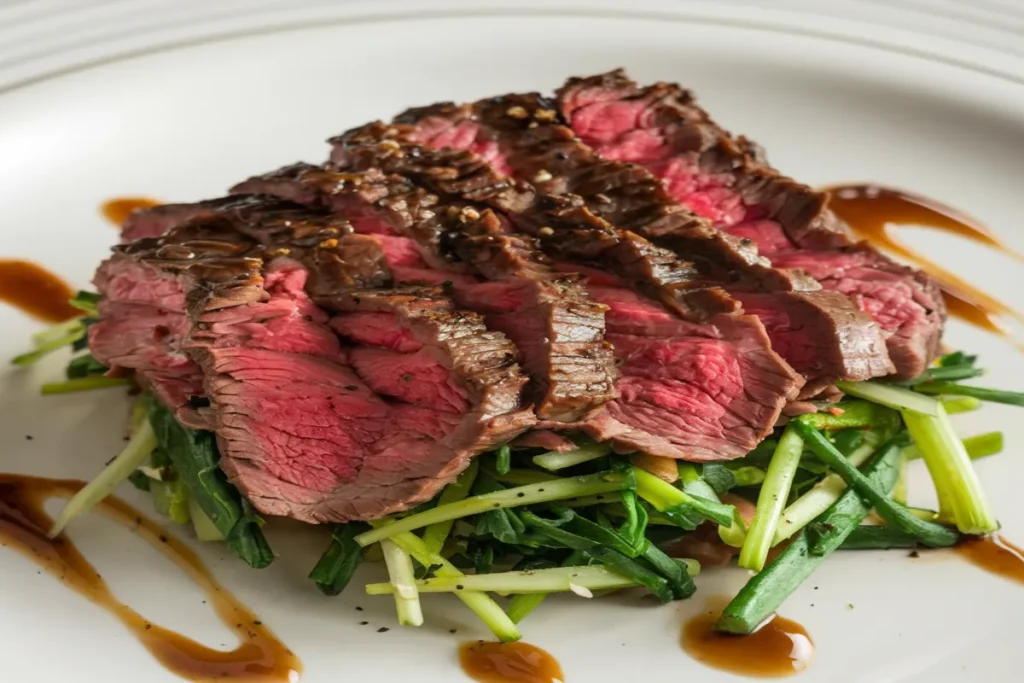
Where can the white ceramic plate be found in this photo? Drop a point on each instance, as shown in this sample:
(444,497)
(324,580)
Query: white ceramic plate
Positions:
(177,101)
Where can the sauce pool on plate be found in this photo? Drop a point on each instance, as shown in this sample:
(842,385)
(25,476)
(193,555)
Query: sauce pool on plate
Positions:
(871,211)
(779,647)
(490,662)
(995,555)
(36,291)
(259,658)
(118,209)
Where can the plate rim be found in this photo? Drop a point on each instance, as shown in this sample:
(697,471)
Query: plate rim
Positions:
(51,63)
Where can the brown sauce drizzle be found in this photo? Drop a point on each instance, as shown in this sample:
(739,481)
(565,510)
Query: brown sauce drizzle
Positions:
(118,209)
(31,288)
(779,647)
(995,555)
(490,662)
(260,656)
(871,210)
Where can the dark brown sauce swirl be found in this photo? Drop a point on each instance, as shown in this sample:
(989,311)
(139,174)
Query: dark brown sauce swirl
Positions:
(780,647)
(31,288)
(490,662)
(260,656)
(118,209)
(995,555)
(871,211)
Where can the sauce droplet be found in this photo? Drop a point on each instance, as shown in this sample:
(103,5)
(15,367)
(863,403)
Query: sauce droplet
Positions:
(490,662)
(996,555)
(871,211)
(118,209)
(260,657)
(36,291)
(780,647)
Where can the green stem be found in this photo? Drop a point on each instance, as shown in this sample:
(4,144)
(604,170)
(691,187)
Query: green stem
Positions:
(978,446)
(482,605)
(930,534)
(554,580)
(559,489)
(890,396)
(765,592)
(120,468)
(663,496)
(959,404)
(956,482)
(1014,398)
(878,537)
(827,491)
(403,581)
(436,534)
(772,500)
(49,346)
(554,461)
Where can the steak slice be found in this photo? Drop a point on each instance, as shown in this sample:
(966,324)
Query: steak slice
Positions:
(728,181)
(558,330)
(689,414)
(822,335)
(310,425)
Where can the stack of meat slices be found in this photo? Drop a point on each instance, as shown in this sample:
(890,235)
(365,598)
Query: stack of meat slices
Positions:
(607,262)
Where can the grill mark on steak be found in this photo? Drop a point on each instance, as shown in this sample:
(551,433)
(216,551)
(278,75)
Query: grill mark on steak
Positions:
(302,431)
(728,180)
(698,391)
(822,335)
(562,225)
(557,328)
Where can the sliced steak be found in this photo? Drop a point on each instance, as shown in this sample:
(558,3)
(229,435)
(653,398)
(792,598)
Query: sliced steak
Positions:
(821,335)
(727,180)
(691,414)
(556,327)
(312,425)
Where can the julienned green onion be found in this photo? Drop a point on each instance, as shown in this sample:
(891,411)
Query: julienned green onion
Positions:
(50,345)
(557,579)
(804,509)
(554,461)
(959,404)
(767,590)
(890,396)
(531,494)
(83,384)
(436,534)
(403,583)
(60,331)
(665,498)
(86,301)
(1014,398)
(748,476)
(771,500)
(520,606)
(503,458)
(956,483)
(878,537)
(139,447)
(483,606)
(931,534)
(978,446)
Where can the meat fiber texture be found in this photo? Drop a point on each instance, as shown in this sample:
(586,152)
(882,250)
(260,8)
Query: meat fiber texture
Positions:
(728,181)
(700,391)
(318,416)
